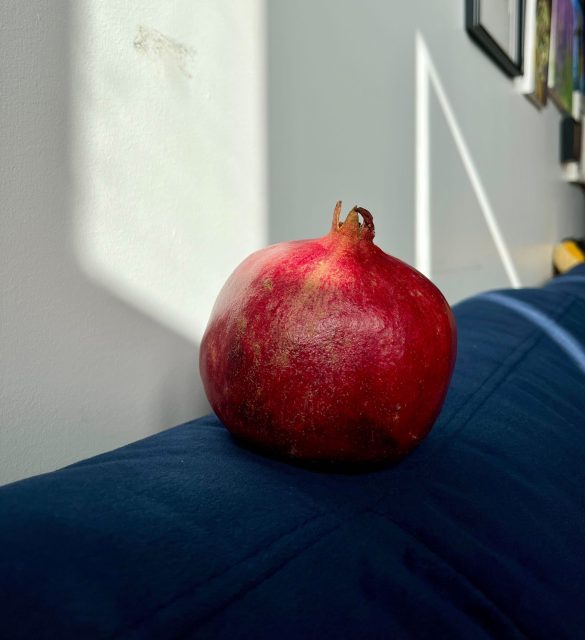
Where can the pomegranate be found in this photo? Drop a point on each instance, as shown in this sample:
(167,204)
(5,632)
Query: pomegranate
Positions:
(329,350)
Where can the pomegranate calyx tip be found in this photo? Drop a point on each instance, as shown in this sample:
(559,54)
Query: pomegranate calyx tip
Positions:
(351,226)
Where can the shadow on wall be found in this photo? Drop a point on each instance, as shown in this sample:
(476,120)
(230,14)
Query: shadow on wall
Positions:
(82,370)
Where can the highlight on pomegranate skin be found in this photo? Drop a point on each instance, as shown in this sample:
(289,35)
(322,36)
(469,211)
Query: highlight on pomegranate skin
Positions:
(329,350)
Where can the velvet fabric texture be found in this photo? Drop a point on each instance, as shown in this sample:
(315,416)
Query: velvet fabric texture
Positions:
(480,533)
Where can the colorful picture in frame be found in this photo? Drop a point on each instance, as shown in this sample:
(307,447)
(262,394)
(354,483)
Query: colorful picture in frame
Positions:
(560,69)
(578,61)
(542,51)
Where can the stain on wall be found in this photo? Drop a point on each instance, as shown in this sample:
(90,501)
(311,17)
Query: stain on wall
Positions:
(159,47)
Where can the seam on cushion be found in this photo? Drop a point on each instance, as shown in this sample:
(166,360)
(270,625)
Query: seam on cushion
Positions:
(371,509)
(476,588)
(509,361)
(192,589)
(501,374)
(518,352)
(218,574)
(189,591)
(207,617)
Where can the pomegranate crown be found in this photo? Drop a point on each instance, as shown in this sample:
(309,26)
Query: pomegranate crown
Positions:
(352,227)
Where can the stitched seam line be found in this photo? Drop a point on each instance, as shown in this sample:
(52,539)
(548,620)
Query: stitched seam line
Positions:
(509,361)
(254,584)
(217,575)
(503,372)
(476,588)
(257,584)
(534,333)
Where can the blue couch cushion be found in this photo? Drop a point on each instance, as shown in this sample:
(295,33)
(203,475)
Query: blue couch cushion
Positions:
(477,534)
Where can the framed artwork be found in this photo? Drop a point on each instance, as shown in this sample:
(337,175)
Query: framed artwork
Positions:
(571,151)
(578,61)
(497,27)
(534,81)
(560,69)
(571,140)
(542,49)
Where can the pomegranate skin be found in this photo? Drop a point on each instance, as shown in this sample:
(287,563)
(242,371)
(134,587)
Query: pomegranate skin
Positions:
(329,350)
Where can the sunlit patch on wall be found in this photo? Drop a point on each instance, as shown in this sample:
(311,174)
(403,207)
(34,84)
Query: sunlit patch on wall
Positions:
(168,150)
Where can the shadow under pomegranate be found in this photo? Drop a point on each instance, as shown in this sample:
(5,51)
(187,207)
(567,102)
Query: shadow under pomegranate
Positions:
(317,465)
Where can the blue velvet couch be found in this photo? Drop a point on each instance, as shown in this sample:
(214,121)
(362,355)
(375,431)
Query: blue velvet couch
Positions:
(480,533)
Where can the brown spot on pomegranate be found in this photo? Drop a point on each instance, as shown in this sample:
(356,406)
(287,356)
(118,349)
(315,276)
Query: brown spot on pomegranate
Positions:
(242,323)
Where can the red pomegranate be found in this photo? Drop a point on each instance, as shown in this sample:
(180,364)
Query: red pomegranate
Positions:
(329,350)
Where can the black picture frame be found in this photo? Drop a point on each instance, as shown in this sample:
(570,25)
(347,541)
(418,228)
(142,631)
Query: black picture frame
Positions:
(512,67)
(571,140)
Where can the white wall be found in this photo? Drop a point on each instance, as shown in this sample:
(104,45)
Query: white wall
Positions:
(342,113)
(134,145)
(168,151)
(132,177)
